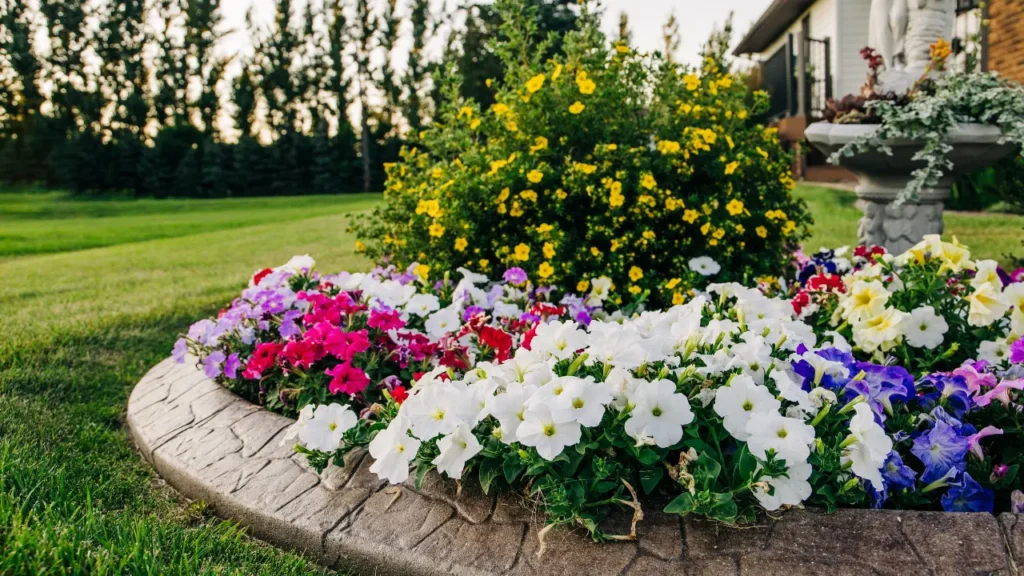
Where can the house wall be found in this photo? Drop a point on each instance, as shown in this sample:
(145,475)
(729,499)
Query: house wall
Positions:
(1006,38)
(822,25)
(851,69)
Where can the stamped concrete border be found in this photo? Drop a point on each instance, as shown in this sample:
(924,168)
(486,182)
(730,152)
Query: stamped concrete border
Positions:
(212,445)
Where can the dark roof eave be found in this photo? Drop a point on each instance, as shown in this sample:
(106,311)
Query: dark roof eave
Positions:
(775,20)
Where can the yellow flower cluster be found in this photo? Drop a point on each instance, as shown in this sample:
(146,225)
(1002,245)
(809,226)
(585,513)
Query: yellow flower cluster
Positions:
(558,178)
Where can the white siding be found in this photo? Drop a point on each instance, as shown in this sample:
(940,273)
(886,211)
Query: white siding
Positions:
(850,70)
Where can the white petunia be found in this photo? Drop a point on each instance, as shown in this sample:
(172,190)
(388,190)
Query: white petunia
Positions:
(443,322)
(305,415)
(622,385)
(392,450)
(557,339)
(790,389)
(704,265)
(298,264)
(547,432)
(994,352)
(790,438)
(868,446)
(584,400)
(422,304)
(790,490)
(327,426)
(613,345)
(455,450)
(658,411)
(435,410)
(741,398)
(509,408)
(924,328)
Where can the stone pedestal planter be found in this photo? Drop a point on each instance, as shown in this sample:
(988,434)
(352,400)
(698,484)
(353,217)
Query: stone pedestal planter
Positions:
(213,445)
(883,177)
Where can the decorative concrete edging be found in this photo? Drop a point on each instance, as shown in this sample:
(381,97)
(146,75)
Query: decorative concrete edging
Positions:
(212,445)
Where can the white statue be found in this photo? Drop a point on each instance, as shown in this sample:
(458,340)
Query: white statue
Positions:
(901,31)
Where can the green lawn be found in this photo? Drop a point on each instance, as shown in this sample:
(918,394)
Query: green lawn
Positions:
(80,328)
(33,222)
(996,236)
(93,292)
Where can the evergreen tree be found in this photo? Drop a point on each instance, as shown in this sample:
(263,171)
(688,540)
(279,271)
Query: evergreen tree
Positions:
(416,69)
(364,31)
(624,35)
(670,36)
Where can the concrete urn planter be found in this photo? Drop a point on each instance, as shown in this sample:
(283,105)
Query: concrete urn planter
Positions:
(882,178)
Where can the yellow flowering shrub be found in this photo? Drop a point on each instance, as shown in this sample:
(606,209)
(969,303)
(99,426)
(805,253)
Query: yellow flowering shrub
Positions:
(599,162)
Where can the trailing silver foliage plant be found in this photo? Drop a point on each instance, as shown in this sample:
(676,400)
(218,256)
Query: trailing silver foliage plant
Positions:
(935,108)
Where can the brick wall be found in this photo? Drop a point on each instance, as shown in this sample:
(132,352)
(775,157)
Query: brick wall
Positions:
(1006,38)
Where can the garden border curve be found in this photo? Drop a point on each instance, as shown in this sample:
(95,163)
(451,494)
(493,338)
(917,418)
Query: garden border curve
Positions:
(212,445)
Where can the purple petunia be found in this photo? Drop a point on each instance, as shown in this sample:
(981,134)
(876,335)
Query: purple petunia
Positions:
(1017,352)
(180,350)
(231,366)
(289,324)
(515,276)
(212,364)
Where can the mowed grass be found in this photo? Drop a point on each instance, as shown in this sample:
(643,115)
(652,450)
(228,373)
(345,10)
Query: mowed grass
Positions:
(80,328)
(39,222)
(82,324)
(989,235)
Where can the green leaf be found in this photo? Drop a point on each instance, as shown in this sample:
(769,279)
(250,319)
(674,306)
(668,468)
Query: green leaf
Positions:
(512,467)
(723,508)
(650,476)
(745,464)
(706,470)
(421,471)
(489,470)
(649,457)
(682,505)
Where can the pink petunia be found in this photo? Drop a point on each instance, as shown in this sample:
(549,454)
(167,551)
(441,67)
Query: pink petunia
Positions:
(974,440)
(347,379)
(1001,392)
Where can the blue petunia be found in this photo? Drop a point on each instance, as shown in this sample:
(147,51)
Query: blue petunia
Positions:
(896,473)
(948,391)
(968,497)
(940,449)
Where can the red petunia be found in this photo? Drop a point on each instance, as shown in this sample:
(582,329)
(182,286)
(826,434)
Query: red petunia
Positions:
(826,282)
(497,339)
(399,394)
(261,275)
(801,300)
(528,337)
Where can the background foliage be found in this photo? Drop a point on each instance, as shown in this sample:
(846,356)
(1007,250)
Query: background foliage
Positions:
(136,94)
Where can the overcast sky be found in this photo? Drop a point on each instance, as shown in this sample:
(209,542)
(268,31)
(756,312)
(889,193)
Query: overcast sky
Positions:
(696,19)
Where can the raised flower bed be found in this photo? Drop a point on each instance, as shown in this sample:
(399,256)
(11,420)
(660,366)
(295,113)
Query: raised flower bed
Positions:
(883,382)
